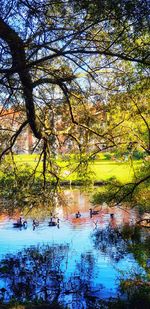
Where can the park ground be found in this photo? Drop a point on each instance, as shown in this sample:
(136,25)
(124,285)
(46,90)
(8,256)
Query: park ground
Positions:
(100,169)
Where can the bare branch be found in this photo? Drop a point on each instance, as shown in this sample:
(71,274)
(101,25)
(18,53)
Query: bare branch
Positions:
(13,139)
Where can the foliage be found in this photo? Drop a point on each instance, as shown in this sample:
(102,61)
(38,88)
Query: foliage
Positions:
(76,75)
(107,156)
(138,155)
(138,292)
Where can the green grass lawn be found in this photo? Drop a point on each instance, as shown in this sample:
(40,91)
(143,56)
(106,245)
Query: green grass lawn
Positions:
(122,171)
(101,169)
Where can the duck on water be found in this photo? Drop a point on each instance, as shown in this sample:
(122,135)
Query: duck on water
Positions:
(35,223)
(78,215)
(53,221)
(93,212)
(20,223)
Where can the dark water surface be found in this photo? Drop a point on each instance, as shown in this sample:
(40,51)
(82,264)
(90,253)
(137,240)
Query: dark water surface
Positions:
(87,269)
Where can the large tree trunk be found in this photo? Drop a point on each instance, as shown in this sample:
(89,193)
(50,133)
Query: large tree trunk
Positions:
(19,65)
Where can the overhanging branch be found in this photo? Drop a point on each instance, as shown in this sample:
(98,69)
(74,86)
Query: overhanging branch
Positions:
(13,139)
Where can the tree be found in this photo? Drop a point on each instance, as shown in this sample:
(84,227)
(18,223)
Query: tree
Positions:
(62,54)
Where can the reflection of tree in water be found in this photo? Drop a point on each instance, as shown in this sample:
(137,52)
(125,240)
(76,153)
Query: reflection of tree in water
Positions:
(119,241)
(110,242)
(38,273)
(34,273)
(81,284)
(36,203)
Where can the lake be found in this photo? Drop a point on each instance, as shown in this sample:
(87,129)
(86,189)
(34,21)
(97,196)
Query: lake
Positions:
(78,267)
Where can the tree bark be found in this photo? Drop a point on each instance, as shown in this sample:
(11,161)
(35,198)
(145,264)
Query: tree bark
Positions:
(19,65)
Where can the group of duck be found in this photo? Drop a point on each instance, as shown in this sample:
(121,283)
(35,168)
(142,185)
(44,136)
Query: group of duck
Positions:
(92,213)
(53,220)
(20,223)
(23,223)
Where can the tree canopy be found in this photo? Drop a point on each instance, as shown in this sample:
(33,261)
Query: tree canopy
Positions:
(78,72)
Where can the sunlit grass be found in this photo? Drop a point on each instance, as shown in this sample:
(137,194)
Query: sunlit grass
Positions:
(101,170)
(122,171)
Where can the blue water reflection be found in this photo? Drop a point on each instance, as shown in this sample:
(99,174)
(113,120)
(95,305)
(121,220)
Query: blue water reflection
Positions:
(83,257)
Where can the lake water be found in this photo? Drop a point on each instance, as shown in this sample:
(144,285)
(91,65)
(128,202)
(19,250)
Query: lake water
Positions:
(84,264)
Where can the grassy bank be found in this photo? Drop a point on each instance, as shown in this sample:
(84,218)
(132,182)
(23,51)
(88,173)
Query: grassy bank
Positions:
(100,170)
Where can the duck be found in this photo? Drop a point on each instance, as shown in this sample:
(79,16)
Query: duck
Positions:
(54,223)
(35,223)
(20,223)
(112,216)
(78,215)
(93,212)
